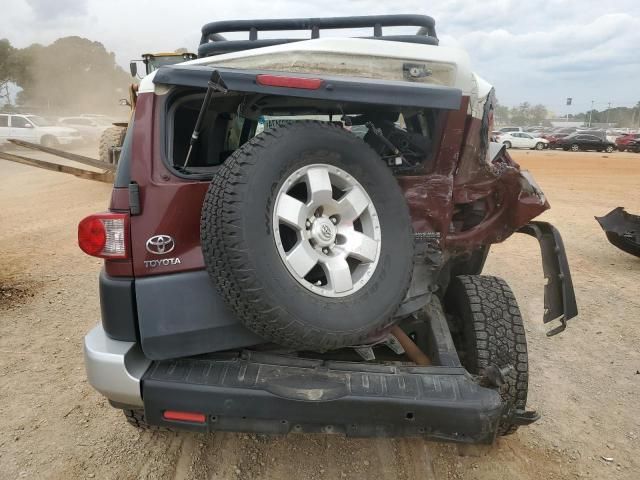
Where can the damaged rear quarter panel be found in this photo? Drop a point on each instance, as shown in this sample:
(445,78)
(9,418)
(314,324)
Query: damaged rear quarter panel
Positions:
(466,170)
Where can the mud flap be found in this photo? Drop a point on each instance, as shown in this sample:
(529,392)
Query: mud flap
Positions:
(559,297)
(622,230)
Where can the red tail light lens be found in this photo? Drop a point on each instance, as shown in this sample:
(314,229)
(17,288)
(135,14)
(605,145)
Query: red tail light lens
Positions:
(184,416)
(104,235)
(289,82)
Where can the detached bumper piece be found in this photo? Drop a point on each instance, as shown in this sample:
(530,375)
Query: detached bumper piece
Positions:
(274,394)
(559,297)
(622,230)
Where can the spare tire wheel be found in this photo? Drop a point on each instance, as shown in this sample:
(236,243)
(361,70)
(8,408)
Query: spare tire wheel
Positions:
(307,236)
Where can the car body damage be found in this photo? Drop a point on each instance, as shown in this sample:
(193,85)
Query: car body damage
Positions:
(326,207)
(622,230)
(476,195)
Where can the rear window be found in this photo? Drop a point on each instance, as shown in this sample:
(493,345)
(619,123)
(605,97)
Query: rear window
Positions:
(232,121)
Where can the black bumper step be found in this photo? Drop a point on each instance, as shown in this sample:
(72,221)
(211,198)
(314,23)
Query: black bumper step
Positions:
(274,394)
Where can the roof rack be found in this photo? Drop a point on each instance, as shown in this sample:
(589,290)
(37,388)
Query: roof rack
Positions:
(213,42)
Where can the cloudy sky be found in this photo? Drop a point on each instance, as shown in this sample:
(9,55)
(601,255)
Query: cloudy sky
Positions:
(534,50)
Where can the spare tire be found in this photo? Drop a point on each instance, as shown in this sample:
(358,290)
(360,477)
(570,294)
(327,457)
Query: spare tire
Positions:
(307,236)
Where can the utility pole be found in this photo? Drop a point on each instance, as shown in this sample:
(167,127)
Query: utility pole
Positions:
(591,113)
(608,108)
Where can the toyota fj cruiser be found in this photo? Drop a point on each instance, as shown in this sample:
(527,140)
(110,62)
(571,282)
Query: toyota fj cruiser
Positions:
(296,238)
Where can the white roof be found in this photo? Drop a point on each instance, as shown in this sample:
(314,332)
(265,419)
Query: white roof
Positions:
(455,59)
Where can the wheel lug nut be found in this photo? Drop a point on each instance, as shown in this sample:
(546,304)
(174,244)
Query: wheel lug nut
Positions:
(308,223)
(325,251)
(334,220)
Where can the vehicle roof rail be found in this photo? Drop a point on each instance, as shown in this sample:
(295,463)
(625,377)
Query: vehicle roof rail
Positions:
(213,42)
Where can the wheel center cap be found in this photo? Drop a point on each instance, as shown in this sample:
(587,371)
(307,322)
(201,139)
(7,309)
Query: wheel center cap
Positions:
(323,232)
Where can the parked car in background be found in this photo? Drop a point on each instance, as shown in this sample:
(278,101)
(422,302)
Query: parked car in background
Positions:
(553,138)
(98,116)
(90,128)
(36,129)
(568,130)
(623,141)
(522,140)
(585,141)
(633,145)
(511,129)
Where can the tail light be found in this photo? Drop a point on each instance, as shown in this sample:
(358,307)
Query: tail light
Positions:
(179,416)
(289,82)
(105,235)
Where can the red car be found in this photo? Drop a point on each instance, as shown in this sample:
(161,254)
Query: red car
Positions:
(623,141)
(553,138)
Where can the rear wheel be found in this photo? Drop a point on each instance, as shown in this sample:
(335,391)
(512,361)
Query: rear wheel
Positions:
(575,147)
(507,144)
(137,419)
(609,149)
(539,146)
(490,334)
(308,237)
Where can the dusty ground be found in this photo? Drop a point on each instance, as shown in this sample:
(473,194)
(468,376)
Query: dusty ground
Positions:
(585,382)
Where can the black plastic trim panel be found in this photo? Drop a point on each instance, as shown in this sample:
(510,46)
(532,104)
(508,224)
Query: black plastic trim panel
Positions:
(341,89)
(182,315)
(277,394)
(118,307)
(559,296)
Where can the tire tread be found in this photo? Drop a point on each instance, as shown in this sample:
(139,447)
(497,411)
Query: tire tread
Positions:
(494,335)
(227,255)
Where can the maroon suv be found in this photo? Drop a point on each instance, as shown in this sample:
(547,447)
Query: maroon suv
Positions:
(295,242)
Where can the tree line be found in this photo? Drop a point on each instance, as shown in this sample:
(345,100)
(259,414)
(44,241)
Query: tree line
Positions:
(526,114)
(73,74)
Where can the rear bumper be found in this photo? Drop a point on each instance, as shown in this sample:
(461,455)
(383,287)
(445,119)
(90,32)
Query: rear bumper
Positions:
(114,368)
(276,395)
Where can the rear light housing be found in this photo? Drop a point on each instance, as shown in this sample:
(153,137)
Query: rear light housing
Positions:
(105,235)
(289,82)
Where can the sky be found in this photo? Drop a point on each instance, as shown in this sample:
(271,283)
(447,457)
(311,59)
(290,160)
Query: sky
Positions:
(535,50)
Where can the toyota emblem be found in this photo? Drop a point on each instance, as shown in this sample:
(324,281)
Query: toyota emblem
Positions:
(160,244)
(326,231)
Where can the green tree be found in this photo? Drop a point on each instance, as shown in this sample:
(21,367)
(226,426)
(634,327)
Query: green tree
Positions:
(538,114)
(520,114)
(9,68)
(502,115)
(71,74)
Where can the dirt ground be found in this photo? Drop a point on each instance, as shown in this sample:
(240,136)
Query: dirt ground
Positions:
(585,382)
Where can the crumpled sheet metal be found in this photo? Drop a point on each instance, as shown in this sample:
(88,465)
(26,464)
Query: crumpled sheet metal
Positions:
(515,199)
